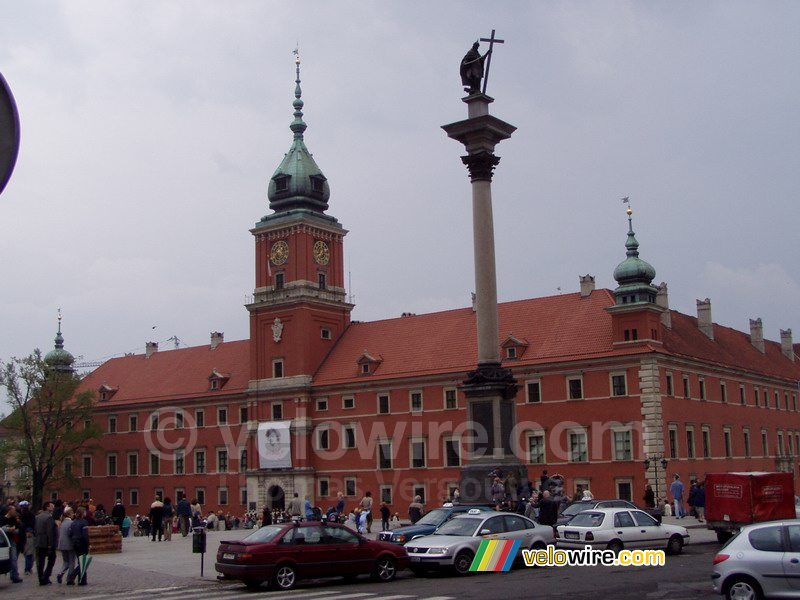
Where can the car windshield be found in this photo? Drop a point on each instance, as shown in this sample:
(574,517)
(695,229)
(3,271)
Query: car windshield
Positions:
(587,519)
(460,526)
(264,534)
(432,518)
(574,509)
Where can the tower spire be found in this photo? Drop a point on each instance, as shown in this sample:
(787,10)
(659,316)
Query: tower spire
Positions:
(298,126)
(633,274)
(298,183)
(59,359)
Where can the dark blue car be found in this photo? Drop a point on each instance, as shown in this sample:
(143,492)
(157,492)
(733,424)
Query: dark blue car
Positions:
(427,524)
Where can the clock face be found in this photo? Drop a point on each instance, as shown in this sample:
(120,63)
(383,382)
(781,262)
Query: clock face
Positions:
(280,253)
(321,253)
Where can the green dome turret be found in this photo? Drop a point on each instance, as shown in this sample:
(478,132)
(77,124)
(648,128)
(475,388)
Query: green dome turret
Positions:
(58,358)
(298,183)
(633,274)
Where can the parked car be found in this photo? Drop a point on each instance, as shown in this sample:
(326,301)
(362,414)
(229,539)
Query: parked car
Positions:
(760,561)
(618,528)
(5,553)
(286,552)
(576,507)
(427,524)
(455,543)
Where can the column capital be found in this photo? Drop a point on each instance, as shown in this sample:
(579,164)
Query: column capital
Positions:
(480,165)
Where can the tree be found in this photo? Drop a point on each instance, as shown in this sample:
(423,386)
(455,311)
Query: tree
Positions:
(49,423)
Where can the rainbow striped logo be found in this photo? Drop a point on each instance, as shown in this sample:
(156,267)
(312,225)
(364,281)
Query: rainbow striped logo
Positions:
(495,555)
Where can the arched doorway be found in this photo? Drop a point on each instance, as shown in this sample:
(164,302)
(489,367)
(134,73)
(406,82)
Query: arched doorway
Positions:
(276,498)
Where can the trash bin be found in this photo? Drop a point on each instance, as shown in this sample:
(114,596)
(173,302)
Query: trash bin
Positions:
(199,540)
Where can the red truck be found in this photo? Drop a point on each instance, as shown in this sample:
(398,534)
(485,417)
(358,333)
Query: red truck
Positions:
(734,500)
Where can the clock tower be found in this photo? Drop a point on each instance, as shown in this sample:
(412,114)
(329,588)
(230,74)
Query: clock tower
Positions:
(299,306)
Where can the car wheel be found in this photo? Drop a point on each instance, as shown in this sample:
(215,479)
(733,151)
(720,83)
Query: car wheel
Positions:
(675,545)
(285,577)
(385,569)
(615,546)
(253,585)
(463,562)
(743,588)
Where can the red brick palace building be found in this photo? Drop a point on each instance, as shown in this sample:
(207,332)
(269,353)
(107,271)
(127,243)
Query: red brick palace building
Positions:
(315,403)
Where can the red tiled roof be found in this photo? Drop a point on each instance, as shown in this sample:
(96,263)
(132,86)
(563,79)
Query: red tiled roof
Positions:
(170,373)
(557,328)
(729,347)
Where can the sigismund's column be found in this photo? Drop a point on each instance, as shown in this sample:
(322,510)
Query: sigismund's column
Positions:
(490,389)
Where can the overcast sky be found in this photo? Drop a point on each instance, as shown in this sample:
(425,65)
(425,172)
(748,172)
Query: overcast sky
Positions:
(150,130)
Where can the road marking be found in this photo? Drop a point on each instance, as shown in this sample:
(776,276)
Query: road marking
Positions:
(211,592)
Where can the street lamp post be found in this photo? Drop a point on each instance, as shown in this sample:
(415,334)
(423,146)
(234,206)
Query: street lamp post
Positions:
(655,460)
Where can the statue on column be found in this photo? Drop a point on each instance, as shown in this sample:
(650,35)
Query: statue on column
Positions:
(472,69)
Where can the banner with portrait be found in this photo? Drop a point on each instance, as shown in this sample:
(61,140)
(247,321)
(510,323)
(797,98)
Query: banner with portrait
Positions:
(274,440)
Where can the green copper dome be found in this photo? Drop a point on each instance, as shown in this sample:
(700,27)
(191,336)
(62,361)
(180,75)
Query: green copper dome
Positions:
(58,358)
(633,274)
(298,182)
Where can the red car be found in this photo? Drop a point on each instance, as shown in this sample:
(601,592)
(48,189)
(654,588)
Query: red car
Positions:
(282,554)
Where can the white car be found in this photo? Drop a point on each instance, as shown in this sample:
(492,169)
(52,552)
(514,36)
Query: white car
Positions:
(618,528)
(5,553)
(454,544)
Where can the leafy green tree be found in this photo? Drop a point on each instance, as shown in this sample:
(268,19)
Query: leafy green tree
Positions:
(49,423)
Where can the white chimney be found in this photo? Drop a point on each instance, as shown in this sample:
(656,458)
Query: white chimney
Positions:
(216,339)
(787,347)
(704,322)
(662,300)
(757,335)
(474,302)
(150,348)
(587,285)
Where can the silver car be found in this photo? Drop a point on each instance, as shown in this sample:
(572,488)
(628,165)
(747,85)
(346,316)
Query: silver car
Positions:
(618,528)
(761,561)
(455,543)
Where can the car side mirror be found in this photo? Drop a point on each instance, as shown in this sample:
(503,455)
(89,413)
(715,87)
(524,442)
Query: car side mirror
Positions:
(486,531)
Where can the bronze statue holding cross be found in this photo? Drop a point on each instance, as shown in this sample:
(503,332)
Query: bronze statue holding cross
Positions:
(472,66)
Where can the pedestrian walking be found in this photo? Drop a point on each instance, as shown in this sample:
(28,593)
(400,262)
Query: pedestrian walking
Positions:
(366,507)
(169,518)
(157,519)
(79,535)
(13,528)
(68,556)
(184,510)
(676,489)
(45,543)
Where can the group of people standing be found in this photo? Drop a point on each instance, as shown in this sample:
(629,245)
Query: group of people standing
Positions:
(62,528)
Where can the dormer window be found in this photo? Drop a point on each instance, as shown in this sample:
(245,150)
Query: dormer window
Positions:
(282,183)
(106,392)
(317,184)
(514,347)
(217,380)
(368,364)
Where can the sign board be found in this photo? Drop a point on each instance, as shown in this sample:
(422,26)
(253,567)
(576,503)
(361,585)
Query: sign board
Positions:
(274,445)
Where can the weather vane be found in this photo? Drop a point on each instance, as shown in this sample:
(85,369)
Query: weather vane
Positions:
(472,66)
(627,201)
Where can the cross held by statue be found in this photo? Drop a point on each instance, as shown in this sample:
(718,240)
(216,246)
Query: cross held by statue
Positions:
(492,41)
